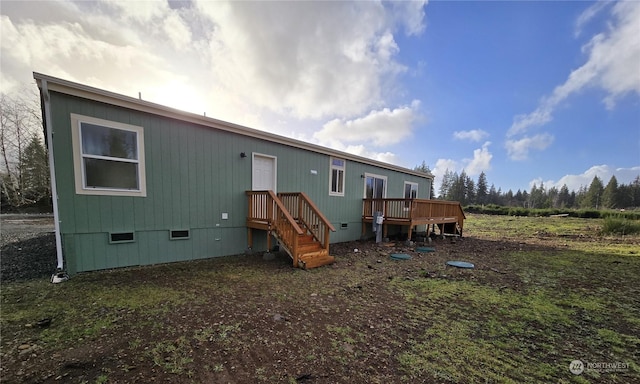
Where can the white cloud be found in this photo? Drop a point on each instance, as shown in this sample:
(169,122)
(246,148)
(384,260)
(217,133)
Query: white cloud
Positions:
(481,160)
(177,31)
(604,172)
(612,65)
(85,46)
(588,14)
(304,60)
(308,59)
(137,11)
(441,167)
(473,135)
(519,149)
(381,127)
(361,150)
(411,14)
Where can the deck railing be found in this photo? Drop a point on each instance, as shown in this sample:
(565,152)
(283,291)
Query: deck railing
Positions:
(413,209)
(305,211)
(266,208)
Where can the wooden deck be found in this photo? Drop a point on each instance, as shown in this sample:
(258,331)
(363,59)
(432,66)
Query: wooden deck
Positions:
(447,216)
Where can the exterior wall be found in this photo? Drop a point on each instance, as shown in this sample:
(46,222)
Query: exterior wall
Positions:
(194,174)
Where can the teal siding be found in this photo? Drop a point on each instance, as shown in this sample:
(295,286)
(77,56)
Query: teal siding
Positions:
(194,174)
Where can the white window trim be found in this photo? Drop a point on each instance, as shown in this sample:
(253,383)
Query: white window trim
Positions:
(404,186)
(344,175)
(384,191)
(78,167)
(412,184)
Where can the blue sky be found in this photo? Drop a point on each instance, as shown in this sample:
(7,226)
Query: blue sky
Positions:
(528,92)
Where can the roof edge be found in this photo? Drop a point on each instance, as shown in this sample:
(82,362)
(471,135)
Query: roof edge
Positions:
(84,91)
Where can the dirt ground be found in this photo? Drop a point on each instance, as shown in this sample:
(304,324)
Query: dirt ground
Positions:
(254,320)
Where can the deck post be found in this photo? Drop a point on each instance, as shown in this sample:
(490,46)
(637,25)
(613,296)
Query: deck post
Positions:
(249,238)
(269,240)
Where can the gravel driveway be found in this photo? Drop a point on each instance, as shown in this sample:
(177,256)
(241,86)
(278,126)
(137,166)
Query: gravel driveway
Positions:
(28,247)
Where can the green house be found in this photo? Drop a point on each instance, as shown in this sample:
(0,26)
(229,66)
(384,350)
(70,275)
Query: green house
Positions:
(137,183)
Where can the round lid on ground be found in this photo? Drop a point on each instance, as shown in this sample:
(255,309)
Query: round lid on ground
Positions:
(460,264)
(400,256)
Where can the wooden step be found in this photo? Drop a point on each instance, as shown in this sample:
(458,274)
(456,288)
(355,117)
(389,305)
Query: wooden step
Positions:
(305,239)
(317,261)
(307,248)
(311,254)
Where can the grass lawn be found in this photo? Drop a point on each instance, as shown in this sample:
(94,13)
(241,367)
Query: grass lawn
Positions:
(544,292)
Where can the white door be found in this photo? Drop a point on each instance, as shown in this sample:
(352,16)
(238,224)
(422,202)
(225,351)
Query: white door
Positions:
(264,174)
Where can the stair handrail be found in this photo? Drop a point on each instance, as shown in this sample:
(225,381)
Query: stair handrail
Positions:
(317,211)
(287,230)
(279,220)
(318,224)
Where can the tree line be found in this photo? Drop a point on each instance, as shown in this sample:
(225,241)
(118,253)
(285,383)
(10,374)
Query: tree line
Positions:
(460,187)
(612,196)
(24,168)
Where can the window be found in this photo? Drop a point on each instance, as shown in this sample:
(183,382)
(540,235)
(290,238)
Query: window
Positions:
(375,186)
(410,192)
(108,157)
(179,234)
(121,237)
(337,177)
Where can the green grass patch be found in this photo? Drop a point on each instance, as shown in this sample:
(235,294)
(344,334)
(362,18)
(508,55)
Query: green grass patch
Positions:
(172,356)
(84,307)
(477,333)
(620,226)
(493,209)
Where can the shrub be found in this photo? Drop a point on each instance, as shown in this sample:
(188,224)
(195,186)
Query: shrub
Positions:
(619,226)
(517,211)
(588,213)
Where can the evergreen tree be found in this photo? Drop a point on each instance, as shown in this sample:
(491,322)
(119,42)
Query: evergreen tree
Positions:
(563,197)
(424,168)
(571,203)
(552,198)
(519,198)
(525,198)
(447,181)
(537,197)
(635,192)
(593,197)
(492,198)
(508,198)
(579,197)
(456,191)
(469,191)
(610,195)
(482,193)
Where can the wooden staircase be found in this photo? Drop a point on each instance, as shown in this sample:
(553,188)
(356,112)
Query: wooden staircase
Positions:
(297,224)
(311,253)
